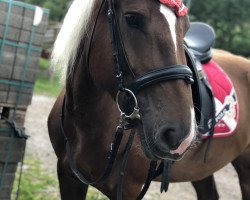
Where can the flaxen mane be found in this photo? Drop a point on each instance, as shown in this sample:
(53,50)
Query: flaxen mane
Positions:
(76,24)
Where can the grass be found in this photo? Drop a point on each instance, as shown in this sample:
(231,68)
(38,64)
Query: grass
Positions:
(44,85)
(38,184)
(43,64)
(47,87)
(94,194)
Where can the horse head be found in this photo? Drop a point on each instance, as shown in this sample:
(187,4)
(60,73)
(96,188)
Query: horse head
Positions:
(149,35)
(153,37)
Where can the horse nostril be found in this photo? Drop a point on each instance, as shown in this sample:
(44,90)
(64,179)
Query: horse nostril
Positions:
(169,138)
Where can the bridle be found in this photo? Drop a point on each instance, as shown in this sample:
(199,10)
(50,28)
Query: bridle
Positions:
(153,77)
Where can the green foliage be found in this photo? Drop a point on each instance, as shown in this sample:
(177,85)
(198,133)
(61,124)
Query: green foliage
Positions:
(35,2)
(94,194)
(57,7)
(230,19)
(36,184)
(43,64)
(47,87)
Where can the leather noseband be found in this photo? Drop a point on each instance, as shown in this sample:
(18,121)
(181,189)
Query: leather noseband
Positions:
(163,74)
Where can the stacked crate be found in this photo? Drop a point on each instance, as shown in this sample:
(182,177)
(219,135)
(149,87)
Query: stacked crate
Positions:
(22,29)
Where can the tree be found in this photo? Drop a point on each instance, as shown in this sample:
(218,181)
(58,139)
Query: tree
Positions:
(35,2)
(57,7)
(230,19)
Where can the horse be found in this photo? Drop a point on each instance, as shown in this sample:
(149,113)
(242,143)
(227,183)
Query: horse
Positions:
(124,65)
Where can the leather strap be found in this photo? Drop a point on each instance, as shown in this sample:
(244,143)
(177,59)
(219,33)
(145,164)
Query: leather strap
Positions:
(111,158)
(160,75)
(150,177)
(167,164)
(124,163)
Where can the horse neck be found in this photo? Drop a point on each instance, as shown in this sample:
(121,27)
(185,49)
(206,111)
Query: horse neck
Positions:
(92,111)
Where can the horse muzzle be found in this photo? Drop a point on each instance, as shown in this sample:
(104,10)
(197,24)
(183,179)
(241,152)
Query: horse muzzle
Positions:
(168,140)
(171,149)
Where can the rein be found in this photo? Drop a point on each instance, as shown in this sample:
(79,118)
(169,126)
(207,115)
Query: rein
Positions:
(153,77)
(152,172)
(111,158)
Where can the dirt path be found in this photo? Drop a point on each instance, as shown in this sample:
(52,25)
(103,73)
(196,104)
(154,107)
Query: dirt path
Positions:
(39,145)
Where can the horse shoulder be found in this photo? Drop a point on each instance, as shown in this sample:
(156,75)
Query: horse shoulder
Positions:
(55,135)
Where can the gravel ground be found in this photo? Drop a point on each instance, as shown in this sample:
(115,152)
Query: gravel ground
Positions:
(39,145)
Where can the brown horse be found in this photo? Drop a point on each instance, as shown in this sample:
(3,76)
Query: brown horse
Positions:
(150,35)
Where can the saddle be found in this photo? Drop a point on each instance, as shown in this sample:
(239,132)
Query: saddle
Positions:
(214,97)
(198,45)
(199,39)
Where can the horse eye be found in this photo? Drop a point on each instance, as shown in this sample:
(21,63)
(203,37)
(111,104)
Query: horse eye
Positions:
(134,20)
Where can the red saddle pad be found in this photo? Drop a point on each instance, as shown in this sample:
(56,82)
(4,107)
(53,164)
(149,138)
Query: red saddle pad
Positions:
(226,103)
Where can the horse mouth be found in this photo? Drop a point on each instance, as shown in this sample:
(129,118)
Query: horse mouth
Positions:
(153,152)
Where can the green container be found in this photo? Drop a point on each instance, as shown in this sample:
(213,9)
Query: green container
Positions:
(22,30)
(11,150)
